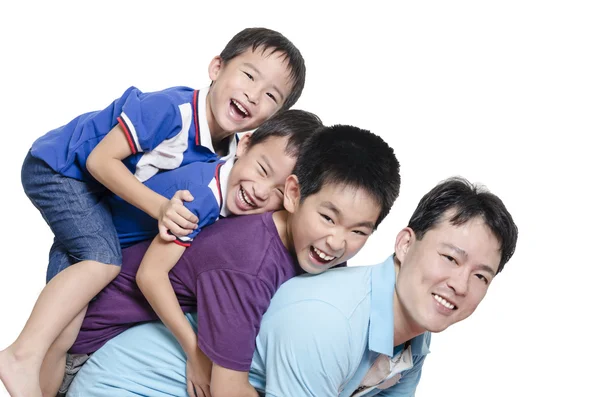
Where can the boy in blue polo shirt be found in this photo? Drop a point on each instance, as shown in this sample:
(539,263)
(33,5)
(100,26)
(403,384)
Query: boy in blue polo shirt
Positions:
(68,170)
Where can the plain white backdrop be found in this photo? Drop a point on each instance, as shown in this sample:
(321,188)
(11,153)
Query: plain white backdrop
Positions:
(503,93)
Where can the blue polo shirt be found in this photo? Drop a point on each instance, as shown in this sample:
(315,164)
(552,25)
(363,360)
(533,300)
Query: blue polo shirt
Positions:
(321,335)
(165,130)
(207,182)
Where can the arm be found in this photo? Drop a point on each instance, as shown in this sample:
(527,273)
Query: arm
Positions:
(153,280)
(105,163)
(229,383)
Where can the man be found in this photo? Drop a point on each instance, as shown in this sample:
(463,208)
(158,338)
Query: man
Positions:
(359,331)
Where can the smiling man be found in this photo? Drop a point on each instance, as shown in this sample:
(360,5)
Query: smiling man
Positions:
(358,331)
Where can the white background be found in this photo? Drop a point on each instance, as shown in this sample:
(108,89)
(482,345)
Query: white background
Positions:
(503,93)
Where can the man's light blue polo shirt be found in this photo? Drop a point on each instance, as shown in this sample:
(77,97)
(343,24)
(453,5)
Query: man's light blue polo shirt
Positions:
(321,335)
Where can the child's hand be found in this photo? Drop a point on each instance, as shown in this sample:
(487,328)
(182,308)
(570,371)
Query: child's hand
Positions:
(176,218)
(198,370)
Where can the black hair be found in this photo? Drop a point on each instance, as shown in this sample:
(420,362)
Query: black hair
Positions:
(297,125)
(272,41)
(347,155)
(466,201)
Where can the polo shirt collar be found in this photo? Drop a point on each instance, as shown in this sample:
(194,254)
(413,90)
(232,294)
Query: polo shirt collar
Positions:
(205,138)
(381,319)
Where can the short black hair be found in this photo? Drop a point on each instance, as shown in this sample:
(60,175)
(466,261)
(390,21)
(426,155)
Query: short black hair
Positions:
(297,125)
(466,201)
(273,41)
(347,155)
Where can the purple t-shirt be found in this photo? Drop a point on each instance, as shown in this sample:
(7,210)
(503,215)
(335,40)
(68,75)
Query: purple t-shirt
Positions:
(230,273)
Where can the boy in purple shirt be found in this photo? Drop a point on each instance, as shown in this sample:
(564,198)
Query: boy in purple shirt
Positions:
(344,184)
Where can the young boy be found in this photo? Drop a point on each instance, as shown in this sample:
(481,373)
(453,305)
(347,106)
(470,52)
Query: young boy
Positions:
(68,170)
(344,184)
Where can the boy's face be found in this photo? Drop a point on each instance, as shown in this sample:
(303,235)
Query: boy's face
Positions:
(330,226)
(444,276)
(247,90)
(257,178)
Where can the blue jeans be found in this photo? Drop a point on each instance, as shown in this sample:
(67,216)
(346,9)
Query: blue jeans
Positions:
(77,214)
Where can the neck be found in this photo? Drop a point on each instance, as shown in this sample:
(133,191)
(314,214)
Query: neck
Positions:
(404,327)
(280,218)
(219,137)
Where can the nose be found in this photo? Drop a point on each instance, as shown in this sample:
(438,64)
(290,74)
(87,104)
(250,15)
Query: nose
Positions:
(459,281)
(336,242)
(252,94)
(261,192)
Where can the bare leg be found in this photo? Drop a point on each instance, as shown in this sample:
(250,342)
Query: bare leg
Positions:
(63,298)
(53,366)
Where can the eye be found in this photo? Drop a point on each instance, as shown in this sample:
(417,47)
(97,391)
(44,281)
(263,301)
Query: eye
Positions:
(327,219)
(450,259)
(360,233)
(483,278)
(262,171)
(272,97)
(249,76)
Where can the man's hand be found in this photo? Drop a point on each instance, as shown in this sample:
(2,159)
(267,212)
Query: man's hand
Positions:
(176,218)
(198,370)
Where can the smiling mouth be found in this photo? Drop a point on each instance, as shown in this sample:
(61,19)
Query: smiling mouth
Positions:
(240,109)
(244,198)
(444,302)
(321,257)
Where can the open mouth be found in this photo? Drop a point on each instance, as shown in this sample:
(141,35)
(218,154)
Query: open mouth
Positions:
(444,302)
(245,199)
(320,257)
(239,109)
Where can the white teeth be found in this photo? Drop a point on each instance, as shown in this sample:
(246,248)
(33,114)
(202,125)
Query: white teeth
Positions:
(323,255)
(245,198)
(443,302)
(240,107)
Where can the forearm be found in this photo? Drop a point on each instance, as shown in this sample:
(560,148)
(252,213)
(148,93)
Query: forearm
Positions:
(118,179)
(229,383)
(105,163)
(159,292)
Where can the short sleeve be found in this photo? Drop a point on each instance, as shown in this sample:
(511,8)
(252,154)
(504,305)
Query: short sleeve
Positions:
(230,307)
(150,118)
(304,357)
(204,206)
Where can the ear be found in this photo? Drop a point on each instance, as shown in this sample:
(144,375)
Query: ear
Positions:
(214,67)
(291,194)
(243,145)
(404,240)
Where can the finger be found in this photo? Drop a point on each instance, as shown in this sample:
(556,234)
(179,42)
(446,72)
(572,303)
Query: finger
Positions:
(190,389)
(163,231)
(184,195)
(184,221)
(187,214)
(176,230)
(206,391)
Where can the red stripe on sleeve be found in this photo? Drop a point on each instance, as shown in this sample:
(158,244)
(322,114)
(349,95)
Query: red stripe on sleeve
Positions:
(127,135)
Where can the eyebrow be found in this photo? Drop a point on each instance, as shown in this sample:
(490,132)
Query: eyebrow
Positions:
(251,66)
(266,160)
(464,254)
(332,207)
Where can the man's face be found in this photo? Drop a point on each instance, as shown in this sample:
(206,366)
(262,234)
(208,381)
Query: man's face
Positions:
(444,276)
(246,90)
